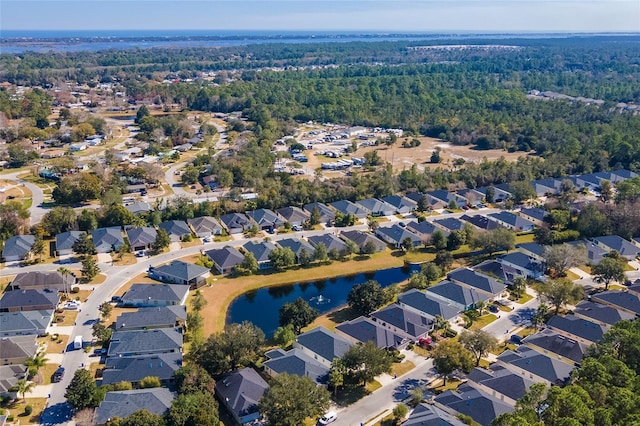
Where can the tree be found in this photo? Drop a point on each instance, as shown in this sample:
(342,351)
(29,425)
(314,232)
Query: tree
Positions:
(351,248)
(399,412)
(521,191)
(407,244)
(495,240)
(65,272)
(81,392)
(367,297)
(84,245)
(161,242)
(320,253)
(561,292)
(431,271)
(36,363)
(450,356)
(443,260)
(38,247)
(58,220)
(543,236)
(116,215)
(105,310)
(87,221)
(140,418)
(373,224)
(478,342)
(606,191)
(248,266)
(558,219)
(315,217)
(435,156)
(417,280)
(609,269)
(198,302)
(291,399)
(284,336)
(149,382)
(101,333)
(89,268)
(282,258)
(190,175)
(490,195)
(142,112)
(336,374)
(369,248)
(561,257)
(565,404)
(23,386)
(439,240)
(364,362)
(194,409)
(298,314)
(191,378)
(455,240)
(14,219)
(592,222)
(304,258)
(423,203)
(518,288)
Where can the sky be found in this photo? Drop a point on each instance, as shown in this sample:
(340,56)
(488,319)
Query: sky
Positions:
(328,15)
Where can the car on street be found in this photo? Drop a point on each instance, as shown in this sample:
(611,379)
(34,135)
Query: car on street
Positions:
(329,417)
(58,375)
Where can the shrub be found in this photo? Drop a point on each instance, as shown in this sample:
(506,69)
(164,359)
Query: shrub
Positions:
(450,333)
(28,410)
(75,290)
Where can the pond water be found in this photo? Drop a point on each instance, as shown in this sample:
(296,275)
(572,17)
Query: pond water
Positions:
(261,306)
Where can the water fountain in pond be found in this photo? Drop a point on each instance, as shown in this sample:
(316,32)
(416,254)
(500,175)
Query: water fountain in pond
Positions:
(319,300)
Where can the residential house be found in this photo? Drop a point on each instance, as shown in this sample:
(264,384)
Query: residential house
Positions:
(622,300)
(145,342)
(424,229)
(297,246)
(555,345)
(402,320)
(18,247)
(576,328)
(347,207)
(174,316)
(625,248)
(25,322)
(141,238)
(534,214)
(476,281)
(107,239)
(480,406)
(426,305)
(480,221)
(37,280)
(500,193)
(327,215)
(240,392)
(402,205)
(502,273)
(122,404)
(322,345)
(500,383)
(449,224)
(138,207)
(362,238)
(377,207)
(429,415)
(141,295)
(17,349)
(605,316)
(447,198)
(65,242)
(179,272)
(295,362)
(512,221)
(235,223)
(261,252)
(595,253)
(364,330)
(396,235)
(205,226)
(536,366)
(77,147)
(461,297)
(474,198)
(211,181)
(295,216)
(225,259)
(266,219)
(135,368)
(546,187)
(177,229)
(29,300)
(534,250)
(523,265)
(330,241)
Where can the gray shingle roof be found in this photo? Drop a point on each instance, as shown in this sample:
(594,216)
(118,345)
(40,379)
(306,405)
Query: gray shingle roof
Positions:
(298,363)
(50,279)
(480,221)
(181,270)
(477,280)
(154,317)
(361,238)
(265,217)
(533,248)
(25,322)
(326,213)
(480,406)
(66,240)
(620,299)
(135,368)
(535,213)
(462,296)
(511,219)
(204,224)
(225,257)
(260,250)
(365,330)
(144,236)
(323,342)
(400,203)
(412,323)
(138,207)
(501,380)
(347,207)
(9,376)
(551,341)
(106,239)
(329,240)
(576,327)
(450,223)
(376,206)
(430,415)
(122,404)
(18,245)
(235,221)
(296,245)
(242,390)
(175,227)
(26,300)
(396,234)
(550,369)
(424,228)
(174,293)
(601,313)
(18,347)
(421,301)
(145,342)
(622,246)
(293,214)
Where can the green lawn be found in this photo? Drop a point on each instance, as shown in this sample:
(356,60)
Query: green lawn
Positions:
(483,321)
(525,298)
(402,368)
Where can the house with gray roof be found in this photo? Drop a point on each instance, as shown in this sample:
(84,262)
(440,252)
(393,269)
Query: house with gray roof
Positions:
(533,250)
(625,248)
(261,251)
(297,245)
(476,281)
(135,368)
(347,207)
(362,238)
(145,342)
(322,345)
(18,248)
(523,265)
(141,238)
(546,187)
(377,207)
(107,240)
(153,295)
(502,273)
(176,229)
(449,224)
(396,234)
(9,376)
(602,315)
(147,318)
(424,304)
(25,322)
(474,198)
(225,259)
(480,221)
(461,297)
(241,392)
(499,382)
(29,300)
(482,407)
(363,329)
(550,343)
(122,404)
(595,253)
(500,193)
(179,272)
(293,215)
(403,321)
(625,301)
(17,349)
(65,242)
(402,205)
(205,226)
(447,197)
(424,229)
(512,221)
(138,207)
(330,241)
(267,220)
(40,280)
(327,214)
(429,415)
(236,223)
(295,362)
(536,366)
(582,330)
(534,214)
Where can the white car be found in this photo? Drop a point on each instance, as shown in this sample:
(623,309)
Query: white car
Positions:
(329,417)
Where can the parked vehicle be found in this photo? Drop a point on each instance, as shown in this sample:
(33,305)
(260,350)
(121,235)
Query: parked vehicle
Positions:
(329,417)
(77,342)
(58,375)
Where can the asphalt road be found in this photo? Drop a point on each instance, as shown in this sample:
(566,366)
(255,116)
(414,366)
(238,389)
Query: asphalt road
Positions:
(37,197)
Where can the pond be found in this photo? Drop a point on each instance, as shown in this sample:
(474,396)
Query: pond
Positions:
(261,306)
